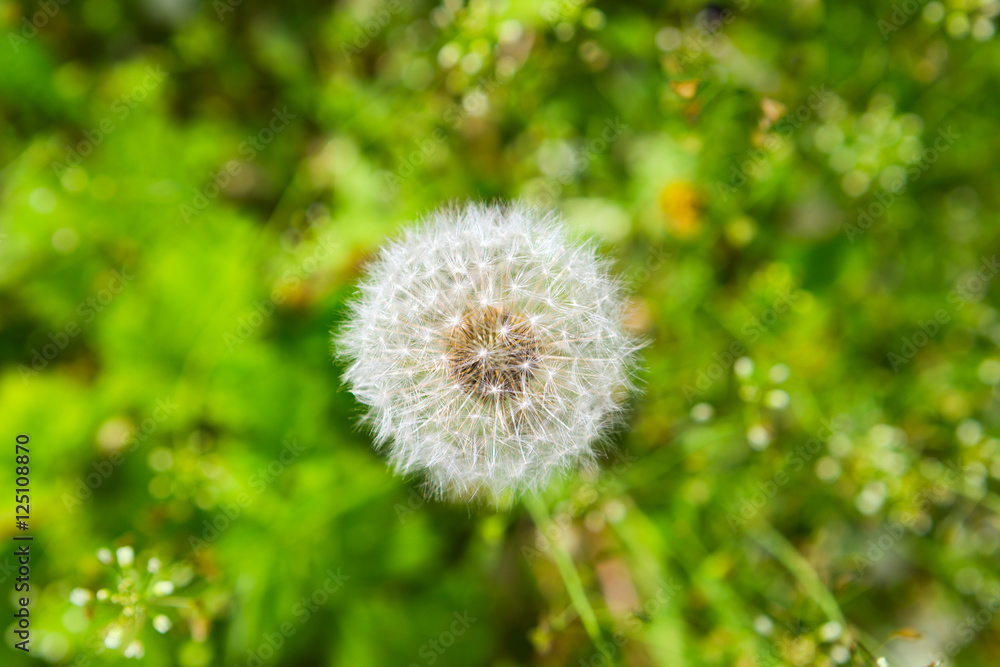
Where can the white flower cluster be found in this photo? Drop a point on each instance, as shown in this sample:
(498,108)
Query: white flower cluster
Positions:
(490,349)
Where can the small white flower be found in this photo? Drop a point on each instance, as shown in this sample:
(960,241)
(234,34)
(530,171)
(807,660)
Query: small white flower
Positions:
(777,399)
(135,649)
(490,349)
(763,625)
(162,588)
(80,597)
(113,638)
(702,412)
(840,654)
(828,632)
(161,623)
(126,556)
(104,555)
(758,437)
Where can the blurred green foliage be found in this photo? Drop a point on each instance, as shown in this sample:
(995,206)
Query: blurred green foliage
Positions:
(803,195)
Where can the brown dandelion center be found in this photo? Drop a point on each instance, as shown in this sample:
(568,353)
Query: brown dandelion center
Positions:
(493,353)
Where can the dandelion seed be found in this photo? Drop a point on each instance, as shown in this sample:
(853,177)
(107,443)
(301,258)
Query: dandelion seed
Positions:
(490,350)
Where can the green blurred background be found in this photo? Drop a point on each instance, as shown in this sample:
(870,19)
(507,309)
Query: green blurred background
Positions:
(802,194)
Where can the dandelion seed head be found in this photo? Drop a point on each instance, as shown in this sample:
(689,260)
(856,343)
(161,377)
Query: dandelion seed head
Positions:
(490,350)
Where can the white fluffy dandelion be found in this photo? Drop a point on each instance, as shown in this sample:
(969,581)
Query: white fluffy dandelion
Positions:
(490,349)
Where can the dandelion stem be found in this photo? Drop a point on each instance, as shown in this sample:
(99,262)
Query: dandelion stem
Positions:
(571,578)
